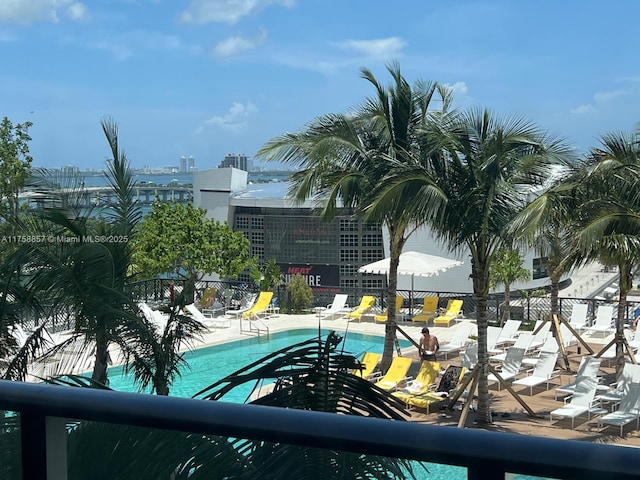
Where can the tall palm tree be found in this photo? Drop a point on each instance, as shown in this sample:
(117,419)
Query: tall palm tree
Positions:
(484,166)
(347,157)
(608,221)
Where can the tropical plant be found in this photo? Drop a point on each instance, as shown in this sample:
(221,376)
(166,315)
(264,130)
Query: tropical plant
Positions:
(15,164)
(300,293)
(311,375)
(483,166)
(347,158)
(314,375)
(608,220)
(83,265)
(506,268)
(179,239)
(267,276)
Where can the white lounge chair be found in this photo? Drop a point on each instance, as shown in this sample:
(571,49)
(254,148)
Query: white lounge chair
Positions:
(458,341)
(209,321)
(470,357)
(339,307)
(540,337)
(589,367)
(155,317)
(627,412)
(510,367)
(580,402)
(579,314)
(509,332)
(523,341)
(550,346)
(630,374)
(492,338)
(543,372)
(604,321)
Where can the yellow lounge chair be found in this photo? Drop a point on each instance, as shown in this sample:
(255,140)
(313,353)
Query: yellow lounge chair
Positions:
(382,317)
(259,308)
(429,310)
(366,304)
(423,382)
(451,313)
(369,362)
(397,373)
(450,381)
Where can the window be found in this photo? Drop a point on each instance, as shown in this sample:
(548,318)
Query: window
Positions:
(257,223)
(347,225)
(348,283)
(371,283)
(371,255)
(242,223)
(257,237)
(257,251)
(348,239)
(372,240)
(349,256)
(539,268)
(348,270)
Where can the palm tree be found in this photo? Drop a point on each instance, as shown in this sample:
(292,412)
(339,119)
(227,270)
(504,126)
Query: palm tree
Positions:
(484,166)
(505,269)
(608,222)
(347,157)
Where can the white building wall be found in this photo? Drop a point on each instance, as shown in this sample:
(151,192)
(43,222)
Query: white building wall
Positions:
(457,279)
(212,190)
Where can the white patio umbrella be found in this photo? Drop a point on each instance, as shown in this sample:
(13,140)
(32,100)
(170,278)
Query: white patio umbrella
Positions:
(412,263)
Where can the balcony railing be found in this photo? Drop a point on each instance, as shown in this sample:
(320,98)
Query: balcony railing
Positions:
(486,455)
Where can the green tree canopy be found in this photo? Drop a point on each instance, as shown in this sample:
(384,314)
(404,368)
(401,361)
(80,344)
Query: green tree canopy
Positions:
(178,239)
(15,163)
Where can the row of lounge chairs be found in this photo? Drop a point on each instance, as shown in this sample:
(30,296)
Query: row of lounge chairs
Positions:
(429,312)
(422,391)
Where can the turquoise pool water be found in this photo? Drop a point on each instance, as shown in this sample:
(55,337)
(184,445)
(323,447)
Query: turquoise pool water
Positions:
(210,364)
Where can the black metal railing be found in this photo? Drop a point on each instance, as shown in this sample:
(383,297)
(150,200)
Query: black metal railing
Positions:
(486,455)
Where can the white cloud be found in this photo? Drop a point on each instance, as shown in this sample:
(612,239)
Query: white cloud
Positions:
(77,12)
(225,11)
(602,97)
(235,120)
(124,45)
(583,109)
(380,48)
(458,88)
(32,11)
(234,45)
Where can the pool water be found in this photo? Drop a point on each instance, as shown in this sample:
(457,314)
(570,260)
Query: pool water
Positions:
(210,364)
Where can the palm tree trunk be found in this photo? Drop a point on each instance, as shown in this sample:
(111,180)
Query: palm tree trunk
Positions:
(102,360)
(625,286)
(480,275)
(507,302)
(395,248)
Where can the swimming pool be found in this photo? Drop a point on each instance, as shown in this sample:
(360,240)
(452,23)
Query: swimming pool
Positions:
(210,364)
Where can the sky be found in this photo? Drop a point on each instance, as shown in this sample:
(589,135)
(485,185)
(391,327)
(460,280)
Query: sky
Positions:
(204,78)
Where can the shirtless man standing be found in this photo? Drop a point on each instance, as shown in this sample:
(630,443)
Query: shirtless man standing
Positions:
(429,345)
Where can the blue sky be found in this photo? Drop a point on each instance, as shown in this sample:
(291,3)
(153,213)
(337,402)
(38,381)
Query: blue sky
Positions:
(210,77)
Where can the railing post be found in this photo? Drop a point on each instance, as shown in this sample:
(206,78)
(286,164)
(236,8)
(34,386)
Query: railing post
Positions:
(44,447)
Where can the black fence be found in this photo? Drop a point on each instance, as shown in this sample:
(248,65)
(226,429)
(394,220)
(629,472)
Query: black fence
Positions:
(527,309)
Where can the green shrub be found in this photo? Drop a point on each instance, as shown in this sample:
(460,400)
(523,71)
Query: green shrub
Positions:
(300,294)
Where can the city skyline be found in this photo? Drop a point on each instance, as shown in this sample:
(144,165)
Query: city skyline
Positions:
(209,77)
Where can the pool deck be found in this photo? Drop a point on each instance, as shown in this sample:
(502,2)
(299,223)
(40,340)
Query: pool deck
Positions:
(509,415)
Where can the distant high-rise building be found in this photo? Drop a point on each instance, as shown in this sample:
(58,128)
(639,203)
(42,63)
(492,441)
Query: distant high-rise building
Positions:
(191,164)
(183,164)
(237,160)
